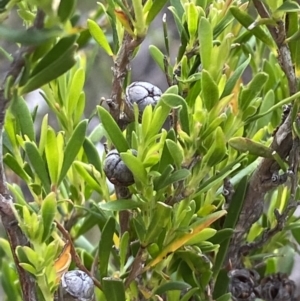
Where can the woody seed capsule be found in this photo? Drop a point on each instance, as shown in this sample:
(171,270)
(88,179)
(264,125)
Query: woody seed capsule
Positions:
(116,170)
(77,286)
(143,94)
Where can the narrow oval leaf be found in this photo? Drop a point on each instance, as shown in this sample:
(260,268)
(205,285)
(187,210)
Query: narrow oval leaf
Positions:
(105,245)
(247,145)
(205,35)
(178,175)
(29,37)
(176,152)
(175,101)
(75,90)
(99,36)
(113,289)
(92,154)
(246,20)
(136,167)
(48,213)
(14,165)
(172,286)
(157,56)
(21,112)
(160,219)
(210,91)
(156,7)
(73,147)
(38,164)
(66,9)
(230,84)
(52,155)
(113,130)
(184,238)
(61,64)
(192,19)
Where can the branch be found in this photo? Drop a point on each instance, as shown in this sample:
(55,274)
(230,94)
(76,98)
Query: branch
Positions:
(123,192)
(262,179)
(137,267)
(74,254)
(120,70)
(9,221)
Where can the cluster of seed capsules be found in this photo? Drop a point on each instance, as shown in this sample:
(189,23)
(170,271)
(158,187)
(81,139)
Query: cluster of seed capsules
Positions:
(245,285)
(142,94)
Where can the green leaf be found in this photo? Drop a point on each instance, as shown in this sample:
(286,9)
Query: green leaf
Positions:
(210,91)
(253,88)
(48,214)
(139,23)
(75,90)
(136,167)
(52,155)
(124,244)
(178,175)
(28,267)
(14,165)
(192,19)
(32,36)
(203,235)
(230,84)
(165,173)
(225,297)
(92,154)
(288,6)
(73,147)
(205,36)
(159,220)
(230,222)
(182,239)
(86,171)
(113,289)
(157,56)
(221,235)
(154,10)
(38,164)
(176,152)
(105,245)
(99,36)
(120,205)
(66,9)
(56,62)
(243,144)
(113,130)
(175,101)
(246,20)
(21,112)
(172,286)
(218,151)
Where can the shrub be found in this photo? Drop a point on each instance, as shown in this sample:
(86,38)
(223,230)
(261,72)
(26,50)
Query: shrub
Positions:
(203,176)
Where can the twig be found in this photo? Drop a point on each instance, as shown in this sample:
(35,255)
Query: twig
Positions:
(120,70)
(137,267)
(269,233)
(74,254)
(261,180)
(9,221)
(292,204)
(123,192)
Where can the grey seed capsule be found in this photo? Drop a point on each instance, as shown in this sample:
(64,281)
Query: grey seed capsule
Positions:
(77,286)
(116,170)
(143,94)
